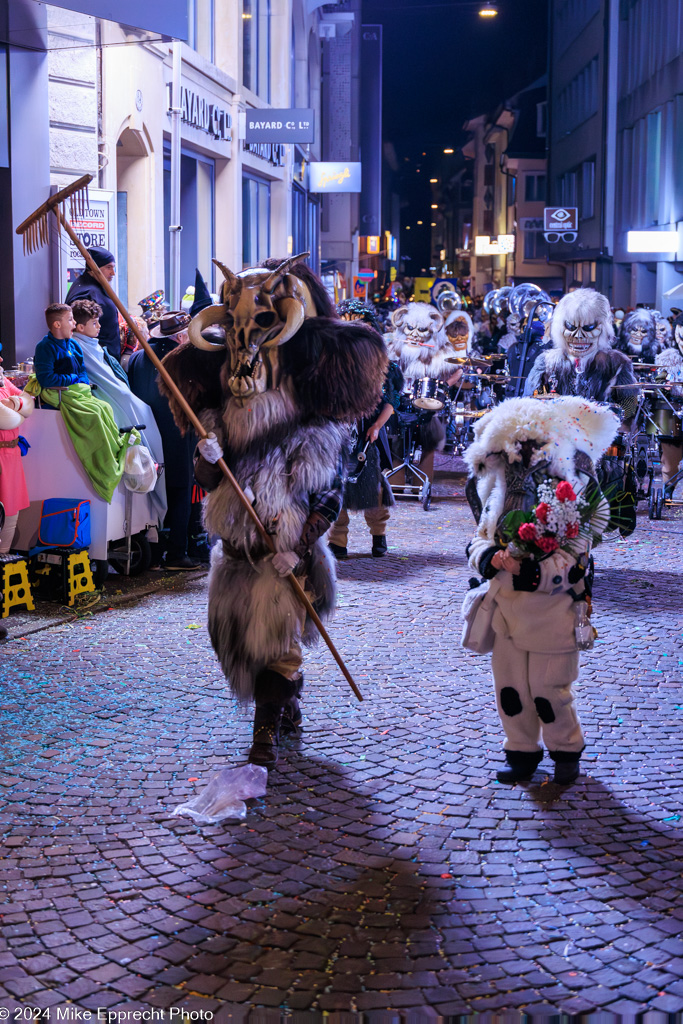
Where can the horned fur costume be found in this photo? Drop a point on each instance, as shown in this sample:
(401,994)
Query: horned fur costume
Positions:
(517,447)
(670,359)
(278,393)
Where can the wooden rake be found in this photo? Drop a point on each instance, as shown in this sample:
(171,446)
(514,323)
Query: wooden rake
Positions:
(35,234)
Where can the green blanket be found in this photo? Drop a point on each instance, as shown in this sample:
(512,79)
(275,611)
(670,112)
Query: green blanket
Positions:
(96,438)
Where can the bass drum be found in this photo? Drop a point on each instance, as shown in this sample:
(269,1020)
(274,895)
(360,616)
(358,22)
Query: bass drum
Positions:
(665,421)
(429,394)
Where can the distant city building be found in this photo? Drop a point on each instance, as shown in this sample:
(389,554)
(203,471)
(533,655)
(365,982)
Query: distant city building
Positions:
(615,122)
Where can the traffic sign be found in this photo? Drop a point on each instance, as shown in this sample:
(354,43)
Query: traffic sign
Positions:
(367,275)
(359,288)
(561,218)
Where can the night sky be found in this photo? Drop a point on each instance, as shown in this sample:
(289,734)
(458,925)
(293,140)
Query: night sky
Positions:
(442,65)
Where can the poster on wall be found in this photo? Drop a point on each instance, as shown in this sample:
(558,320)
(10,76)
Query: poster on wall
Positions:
(96,225)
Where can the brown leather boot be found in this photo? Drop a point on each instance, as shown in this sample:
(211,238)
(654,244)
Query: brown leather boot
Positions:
(272,691)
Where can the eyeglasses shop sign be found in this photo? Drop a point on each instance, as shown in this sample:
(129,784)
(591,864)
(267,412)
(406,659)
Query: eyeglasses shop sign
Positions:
(272,124)
(335,177)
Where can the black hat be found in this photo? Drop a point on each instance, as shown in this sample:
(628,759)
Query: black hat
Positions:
(169,324)
(202,296)
(101,256)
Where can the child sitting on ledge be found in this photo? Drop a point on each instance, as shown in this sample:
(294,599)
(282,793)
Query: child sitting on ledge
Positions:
(62,382)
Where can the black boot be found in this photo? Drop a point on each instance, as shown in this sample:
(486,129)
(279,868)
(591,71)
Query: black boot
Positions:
(291,712)
(338,551)
(521,766)
(379,546)
(566,766)
(272,692)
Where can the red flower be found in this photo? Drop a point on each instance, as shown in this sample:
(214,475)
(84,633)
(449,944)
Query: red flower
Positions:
(573,530)
(528,531)
(548,544)
(542,512)
(564,491)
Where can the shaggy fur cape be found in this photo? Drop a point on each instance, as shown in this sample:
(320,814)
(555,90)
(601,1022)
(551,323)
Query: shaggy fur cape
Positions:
(672,361)
(555,371)
(284,446)
(562,427)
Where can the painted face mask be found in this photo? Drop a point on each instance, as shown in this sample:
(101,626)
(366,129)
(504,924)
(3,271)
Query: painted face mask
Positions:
(581,339)
(262,310)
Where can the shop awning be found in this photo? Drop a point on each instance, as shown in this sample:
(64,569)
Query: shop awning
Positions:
(167,17)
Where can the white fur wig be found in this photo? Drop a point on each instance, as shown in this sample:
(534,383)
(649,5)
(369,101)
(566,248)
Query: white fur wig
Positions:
(584,306)
(419,342)
(561,426)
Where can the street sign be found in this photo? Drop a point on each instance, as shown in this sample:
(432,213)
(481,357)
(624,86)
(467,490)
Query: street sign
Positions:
(359,288)
(282,125)
(366,275)
(373,244)
(335,177)
(561,218)
(500,246)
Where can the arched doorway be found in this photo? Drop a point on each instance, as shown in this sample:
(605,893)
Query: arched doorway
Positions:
(134,211)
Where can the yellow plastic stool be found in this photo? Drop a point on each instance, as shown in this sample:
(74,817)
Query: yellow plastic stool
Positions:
(15,584)
(77,576)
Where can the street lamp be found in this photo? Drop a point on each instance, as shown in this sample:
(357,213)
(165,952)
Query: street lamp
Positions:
(488,10)
(449,151)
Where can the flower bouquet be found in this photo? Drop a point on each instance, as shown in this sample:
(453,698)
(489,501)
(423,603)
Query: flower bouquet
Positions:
(562,520)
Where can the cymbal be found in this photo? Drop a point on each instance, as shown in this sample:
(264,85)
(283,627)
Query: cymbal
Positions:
(497,378)
(645,366)
(644,384)
(473,360)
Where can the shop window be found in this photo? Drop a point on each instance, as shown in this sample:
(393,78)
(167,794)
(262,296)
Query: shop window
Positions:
(534,188)
(534,245)
(197,198)
(587,207)
(255,220)
(200,19)
(256,47)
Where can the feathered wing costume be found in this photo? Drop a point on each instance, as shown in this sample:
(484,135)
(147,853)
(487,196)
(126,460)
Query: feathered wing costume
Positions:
(517,447)
(278,393)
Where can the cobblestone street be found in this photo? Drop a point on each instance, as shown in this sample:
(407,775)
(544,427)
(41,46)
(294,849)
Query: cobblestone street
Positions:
(385,869)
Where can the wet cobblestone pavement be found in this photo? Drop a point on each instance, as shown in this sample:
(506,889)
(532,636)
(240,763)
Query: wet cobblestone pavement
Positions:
(384,870)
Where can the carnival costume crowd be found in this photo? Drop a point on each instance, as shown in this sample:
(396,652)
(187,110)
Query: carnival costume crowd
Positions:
(567,414)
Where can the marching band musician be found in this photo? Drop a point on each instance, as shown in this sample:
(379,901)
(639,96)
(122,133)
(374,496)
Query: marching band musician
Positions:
(671,360)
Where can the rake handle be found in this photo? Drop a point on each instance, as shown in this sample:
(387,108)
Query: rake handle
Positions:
(201,432)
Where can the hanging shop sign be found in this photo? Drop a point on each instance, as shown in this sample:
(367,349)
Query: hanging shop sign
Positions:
(561,218)
(360,288)
(199,112)
(503,245)
(280,125)
(335,177)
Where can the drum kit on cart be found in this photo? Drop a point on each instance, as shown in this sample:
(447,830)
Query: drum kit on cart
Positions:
(658,418)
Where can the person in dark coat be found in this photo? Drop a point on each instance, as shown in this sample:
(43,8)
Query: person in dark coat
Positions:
(86,287)
(168,333)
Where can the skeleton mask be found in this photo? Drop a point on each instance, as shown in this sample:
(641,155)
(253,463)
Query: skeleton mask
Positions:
(581,339)
(262,310)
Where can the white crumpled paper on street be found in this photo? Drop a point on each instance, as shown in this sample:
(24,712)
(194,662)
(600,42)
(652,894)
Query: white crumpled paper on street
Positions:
(224,795)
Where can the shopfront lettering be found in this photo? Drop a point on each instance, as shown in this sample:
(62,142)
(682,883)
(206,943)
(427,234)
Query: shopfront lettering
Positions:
(273,152)
(198,112)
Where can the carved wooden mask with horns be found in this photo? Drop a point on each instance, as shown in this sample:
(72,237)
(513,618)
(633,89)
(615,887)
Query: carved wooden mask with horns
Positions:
(262,310)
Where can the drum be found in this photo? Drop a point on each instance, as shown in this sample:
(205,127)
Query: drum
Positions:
(666,422)
(429,394)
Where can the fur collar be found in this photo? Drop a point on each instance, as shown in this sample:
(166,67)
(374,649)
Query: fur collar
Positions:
(562,426)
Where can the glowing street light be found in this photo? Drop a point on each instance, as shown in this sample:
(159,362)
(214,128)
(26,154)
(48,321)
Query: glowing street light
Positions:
(433,181)
(449,150)
(488,10)
(435,206)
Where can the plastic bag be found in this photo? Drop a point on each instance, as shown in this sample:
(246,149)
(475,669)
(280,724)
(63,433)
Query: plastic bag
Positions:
(225,793)
(140,471)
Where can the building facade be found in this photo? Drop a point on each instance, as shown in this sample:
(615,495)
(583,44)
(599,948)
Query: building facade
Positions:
(507,153)
(615,117)
(100,103)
